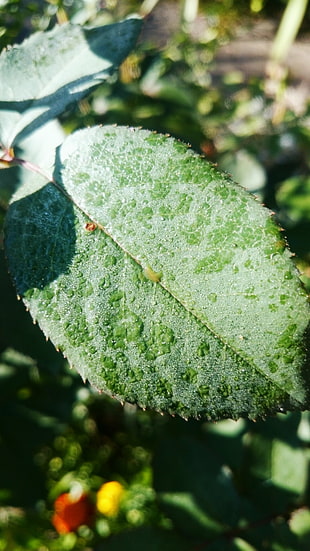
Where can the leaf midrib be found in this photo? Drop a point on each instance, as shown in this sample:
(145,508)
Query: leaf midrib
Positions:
(239,353)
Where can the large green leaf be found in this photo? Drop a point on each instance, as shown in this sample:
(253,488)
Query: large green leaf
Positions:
(144,537)
(183,298)
(40,77)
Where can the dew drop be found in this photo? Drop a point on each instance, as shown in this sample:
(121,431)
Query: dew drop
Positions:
(273,367)
(152,275)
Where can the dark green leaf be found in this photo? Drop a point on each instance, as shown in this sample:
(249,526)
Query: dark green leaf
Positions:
(140,539)
(193,483)
(275,464)
(32,414)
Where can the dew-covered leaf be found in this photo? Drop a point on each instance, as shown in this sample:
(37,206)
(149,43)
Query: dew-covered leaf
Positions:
(40,77)
(163,282)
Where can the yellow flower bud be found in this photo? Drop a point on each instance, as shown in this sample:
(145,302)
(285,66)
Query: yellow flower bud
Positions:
(109,496)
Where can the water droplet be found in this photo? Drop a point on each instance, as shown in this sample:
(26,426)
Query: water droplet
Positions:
(109,261)
(152,275)
(273,367)
(190,376)
(203,349)
(203,391)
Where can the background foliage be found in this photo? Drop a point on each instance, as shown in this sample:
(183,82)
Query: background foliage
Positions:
(196,485)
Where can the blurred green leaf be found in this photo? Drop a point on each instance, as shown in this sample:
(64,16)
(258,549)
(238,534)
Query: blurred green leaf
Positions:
(293,197)
(245,169)
(144,538)
(243,545)
(300,526)
(31,413)
(188,516)
(185,465)
(289,467)
(275,465)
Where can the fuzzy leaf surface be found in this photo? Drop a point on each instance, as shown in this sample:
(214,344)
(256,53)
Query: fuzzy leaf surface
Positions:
(40,77)
(163,282)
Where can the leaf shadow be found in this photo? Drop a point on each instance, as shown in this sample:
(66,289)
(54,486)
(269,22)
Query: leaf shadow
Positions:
(50,106)
(40,238)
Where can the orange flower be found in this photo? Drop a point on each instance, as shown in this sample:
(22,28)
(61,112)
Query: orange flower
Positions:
(71,512)
(109,497)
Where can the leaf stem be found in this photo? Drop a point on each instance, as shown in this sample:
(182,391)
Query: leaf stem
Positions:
(8,159)
(30,166)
